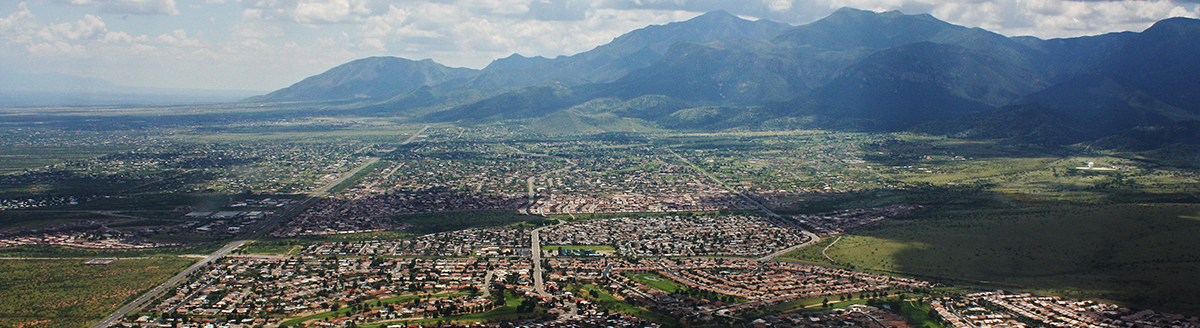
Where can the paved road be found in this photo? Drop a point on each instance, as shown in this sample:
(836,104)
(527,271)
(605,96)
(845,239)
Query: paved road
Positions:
(487,283)
(535,253)
(812,238)
(414,136)
(140,301)
(823,251)
(170,283)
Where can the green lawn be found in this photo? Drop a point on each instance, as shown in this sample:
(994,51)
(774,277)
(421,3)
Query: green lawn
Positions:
(656,281)
(254,247)
(575,247)
(610,303)
(918,314)
(345,310)
(506,312)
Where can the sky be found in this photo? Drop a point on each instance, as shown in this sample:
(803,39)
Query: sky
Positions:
(270,44)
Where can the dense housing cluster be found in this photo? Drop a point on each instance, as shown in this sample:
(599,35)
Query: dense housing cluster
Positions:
(845,220)
(1027,310)
(483,242)
(271,286)
(732,235)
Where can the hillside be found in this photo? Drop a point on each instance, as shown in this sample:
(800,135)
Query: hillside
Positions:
(854,69)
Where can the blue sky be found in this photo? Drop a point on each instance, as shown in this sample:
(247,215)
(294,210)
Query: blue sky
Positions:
(270,44)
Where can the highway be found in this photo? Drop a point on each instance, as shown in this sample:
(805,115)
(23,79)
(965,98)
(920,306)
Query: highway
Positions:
(140,301)
(170,283)
(535,252)
(415,135)
(812,238)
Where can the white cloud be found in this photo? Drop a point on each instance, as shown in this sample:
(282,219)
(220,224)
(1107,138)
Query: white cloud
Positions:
(135,7)
(253,29)
(309,11)
(139,48)
(470,33)
(88,28)
(372,45)
(178,38)
(1052,18)
(56,49)
(778,5)
(273,43)
(118,37)
(18,27)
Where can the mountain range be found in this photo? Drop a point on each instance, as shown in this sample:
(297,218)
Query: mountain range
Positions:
(19,89)
(853,70)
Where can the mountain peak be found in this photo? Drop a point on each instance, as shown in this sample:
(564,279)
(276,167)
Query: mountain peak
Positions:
(1175,26)
(850,28)
(377,77)
(515,61)
(718,14)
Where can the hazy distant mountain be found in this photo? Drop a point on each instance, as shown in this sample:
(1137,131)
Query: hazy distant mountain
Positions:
(54,89)
(374,78)
(53,82)
(852,70)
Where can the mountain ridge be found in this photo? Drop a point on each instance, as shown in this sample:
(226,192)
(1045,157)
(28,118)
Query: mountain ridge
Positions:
(855,69)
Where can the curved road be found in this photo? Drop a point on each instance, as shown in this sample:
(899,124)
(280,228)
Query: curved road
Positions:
(823,251)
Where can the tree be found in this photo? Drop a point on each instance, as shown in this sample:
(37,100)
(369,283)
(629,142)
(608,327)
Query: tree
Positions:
(825,303)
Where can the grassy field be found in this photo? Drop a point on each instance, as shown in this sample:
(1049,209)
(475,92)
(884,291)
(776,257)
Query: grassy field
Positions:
(346,310)
(66,293)
(811,304)
(268,248)
(656,281)
(56,251)
(504,313)
(917,314)
(1139,255)
(609,303)
(576,247)
(15,158)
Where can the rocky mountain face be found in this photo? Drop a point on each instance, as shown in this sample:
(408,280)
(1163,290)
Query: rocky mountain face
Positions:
(854,69)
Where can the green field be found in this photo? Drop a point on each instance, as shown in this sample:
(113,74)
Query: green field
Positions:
(609,303)
(507,312)
(58,251)
(577,247)
(269,248)
(917,314)
(66,293)
(14,158)
(1138,255)
(347,310)
(656,281)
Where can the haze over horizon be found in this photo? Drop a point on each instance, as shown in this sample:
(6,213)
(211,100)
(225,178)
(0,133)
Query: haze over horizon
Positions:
(270,44)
